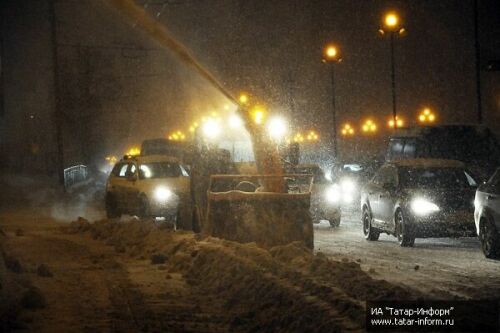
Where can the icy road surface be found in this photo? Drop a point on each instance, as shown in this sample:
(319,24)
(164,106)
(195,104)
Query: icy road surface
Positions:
(440,267)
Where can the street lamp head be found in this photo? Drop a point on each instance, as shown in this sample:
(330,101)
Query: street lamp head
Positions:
(426,116)
(398,124)
(331,54)
(391,22)
(347,130)
(369,126)
(243,98)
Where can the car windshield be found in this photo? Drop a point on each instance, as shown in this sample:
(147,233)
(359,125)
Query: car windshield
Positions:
(159,170)
(435,177)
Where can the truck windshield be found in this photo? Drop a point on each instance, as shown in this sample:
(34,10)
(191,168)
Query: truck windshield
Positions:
(159,170)
(435,178)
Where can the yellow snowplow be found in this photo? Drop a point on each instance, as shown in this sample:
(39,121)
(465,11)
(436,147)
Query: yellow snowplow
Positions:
(271,214)
(238,210)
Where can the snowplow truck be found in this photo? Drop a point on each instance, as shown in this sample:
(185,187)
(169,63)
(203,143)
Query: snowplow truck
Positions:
(239,207)
(269,209)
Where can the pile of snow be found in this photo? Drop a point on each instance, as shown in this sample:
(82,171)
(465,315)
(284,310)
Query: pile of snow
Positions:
(286,288)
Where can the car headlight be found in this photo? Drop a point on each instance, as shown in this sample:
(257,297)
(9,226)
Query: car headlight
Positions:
(333,193)
(162,193)
(422,206)
(347,198)
(348,186)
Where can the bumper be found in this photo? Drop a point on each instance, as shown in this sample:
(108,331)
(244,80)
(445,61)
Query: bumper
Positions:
(168,210)
(453,224)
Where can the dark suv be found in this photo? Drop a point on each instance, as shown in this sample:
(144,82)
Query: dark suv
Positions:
(476,146)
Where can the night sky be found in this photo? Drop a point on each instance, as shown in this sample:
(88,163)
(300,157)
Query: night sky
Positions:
(273,49)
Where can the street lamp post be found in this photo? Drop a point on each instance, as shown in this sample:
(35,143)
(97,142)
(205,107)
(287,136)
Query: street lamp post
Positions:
(393,82)
(392,26)
(331,57)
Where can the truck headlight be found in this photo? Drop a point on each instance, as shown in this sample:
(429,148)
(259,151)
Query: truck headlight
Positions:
(421,206)
(333,193)
(162,193)
(348,186)
(347,198)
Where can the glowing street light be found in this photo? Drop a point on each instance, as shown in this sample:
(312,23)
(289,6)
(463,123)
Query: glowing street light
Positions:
(331,53)
(193,127)
(277,128)
(426,116)
(243,98)
(347,130)
(258,114)
(398,124)
(392,25)
(312,136)
(298,138)
(391,20)
(369,126)
(133,151)
(177,136)
(235,122)
(211,129)
(111,160)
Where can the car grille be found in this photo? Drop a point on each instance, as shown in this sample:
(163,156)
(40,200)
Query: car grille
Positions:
(457,201)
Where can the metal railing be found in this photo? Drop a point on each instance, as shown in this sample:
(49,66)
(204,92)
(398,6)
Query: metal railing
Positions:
(75,174)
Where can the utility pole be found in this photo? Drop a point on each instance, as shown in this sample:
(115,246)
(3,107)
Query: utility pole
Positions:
(334,111)
(331,56)
(57,114)
(478,64)
(2,62)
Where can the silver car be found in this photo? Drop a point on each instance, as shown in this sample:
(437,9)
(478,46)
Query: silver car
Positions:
(487,216)
(417,199)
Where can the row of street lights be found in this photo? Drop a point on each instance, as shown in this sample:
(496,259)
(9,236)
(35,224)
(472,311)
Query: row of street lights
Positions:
(425,117)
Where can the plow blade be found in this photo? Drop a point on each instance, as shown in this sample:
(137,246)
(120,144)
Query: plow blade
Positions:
(266,218)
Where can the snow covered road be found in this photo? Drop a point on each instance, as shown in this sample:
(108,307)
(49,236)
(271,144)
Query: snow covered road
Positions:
(441,268)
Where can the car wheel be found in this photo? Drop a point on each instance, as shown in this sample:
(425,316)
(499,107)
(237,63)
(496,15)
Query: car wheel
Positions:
(111,207)
(490,242)
(178,220)
(308,233)
(370,233)
(196,220)
(144,210)
(404,235)
(184,218)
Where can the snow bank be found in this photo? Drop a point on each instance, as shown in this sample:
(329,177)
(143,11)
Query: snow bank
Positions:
(286,288)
